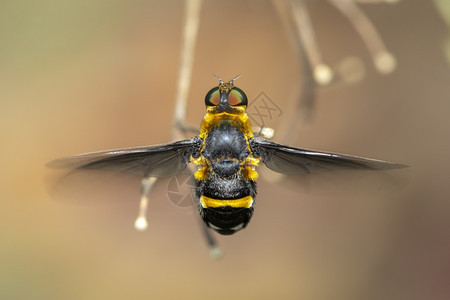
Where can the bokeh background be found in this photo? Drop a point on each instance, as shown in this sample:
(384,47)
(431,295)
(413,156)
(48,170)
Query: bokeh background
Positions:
(80,76)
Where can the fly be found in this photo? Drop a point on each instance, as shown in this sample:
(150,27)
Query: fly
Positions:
(226,154)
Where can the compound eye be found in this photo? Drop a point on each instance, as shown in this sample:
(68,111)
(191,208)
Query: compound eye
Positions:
(237,97)
(213,97)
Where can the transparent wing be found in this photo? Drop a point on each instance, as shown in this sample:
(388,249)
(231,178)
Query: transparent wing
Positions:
(157,161)
(289,160)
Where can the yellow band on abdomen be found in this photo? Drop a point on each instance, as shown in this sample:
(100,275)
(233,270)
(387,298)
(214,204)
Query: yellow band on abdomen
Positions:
(245,202)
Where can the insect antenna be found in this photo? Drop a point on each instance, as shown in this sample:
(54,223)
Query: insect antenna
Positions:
(220,80)
(232,80)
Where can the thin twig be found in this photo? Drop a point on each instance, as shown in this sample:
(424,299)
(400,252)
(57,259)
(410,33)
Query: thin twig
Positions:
(322,72)
(192,20)
(383,60)
(304,91)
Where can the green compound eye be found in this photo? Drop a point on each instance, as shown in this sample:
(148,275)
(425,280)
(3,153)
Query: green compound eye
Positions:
(213,97)
(237,97)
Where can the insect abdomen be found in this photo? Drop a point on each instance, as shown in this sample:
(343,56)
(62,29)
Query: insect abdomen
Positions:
(226,205)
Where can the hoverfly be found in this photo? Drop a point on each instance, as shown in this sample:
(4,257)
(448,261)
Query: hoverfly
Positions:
(226,154)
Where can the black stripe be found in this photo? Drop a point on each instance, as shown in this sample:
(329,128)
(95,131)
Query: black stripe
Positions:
(226,189)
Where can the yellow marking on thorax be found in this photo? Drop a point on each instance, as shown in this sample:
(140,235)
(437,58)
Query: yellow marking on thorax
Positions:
(248,169)
(245,202)
(238,119)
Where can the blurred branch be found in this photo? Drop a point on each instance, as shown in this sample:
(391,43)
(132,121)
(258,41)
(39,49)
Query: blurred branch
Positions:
(443,6)
(383,60)
(304,92)
(322,72)
(296,19)
(376,1)
(192,20)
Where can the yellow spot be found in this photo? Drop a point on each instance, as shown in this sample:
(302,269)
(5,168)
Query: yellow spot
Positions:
(245,202)
(249,168)
(203,167)
(249,173)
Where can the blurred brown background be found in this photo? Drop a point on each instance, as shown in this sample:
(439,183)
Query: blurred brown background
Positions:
(80,76)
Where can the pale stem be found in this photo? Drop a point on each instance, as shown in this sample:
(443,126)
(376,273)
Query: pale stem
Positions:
(383,60)
(192,20)
(322,72)
(141,222)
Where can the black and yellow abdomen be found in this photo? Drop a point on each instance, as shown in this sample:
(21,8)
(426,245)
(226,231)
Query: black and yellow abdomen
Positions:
(225,192)
(226,204)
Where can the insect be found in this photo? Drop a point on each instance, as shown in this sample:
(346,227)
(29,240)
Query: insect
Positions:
(226,154)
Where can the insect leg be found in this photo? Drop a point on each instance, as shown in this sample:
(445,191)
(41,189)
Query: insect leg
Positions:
(141,222)
(214,249)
